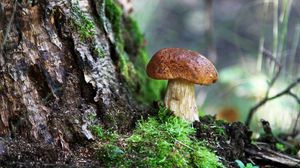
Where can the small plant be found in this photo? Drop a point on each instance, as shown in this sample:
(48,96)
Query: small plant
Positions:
(111,155)
(280,147)
(97,131)
(248,165)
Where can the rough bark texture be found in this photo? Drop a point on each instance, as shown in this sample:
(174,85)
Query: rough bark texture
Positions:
(64,66)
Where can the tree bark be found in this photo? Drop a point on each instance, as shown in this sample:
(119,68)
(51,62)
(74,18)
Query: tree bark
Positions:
(65,65)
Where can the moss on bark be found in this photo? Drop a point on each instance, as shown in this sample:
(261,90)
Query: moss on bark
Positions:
(133,57)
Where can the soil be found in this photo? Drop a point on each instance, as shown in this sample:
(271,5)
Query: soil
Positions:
(20,153)
(228,140)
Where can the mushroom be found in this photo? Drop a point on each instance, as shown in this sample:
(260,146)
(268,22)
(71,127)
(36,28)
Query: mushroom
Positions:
(182,68)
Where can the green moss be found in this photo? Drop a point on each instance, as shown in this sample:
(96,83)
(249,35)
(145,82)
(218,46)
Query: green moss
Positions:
(97,131)
(150,89)
(83,24)
(167,141)
(133,71)
(220,131)
(219,128)
(86,29)
(112,155)
(135,32)
(123,61)
(201,112)
(104,135)
(110,120)
(98,51)
(162,141)
(114,14)
(280,147)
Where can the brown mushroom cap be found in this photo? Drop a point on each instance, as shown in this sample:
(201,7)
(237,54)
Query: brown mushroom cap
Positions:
(179,63)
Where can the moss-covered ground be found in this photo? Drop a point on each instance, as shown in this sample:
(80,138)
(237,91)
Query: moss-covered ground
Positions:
(161,141)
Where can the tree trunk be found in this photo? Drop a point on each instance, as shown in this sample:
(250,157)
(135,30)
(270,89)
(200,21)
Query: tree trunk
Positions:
(66,65)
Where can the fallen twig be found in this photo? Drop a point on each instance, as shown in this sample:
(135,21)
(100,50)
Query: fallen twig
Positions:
(263,153)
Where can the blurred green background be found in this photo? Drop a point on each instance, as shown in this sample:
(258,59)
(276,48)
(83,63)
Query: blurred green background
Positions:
(233,34)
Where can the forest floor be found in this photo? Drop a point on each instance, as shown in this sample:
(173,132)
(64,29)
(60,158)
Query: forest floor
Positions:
(231,143)
(235,145)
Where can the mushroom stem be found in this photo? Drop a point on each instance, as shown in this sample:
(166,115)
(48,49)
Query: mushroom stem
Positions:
(180,98)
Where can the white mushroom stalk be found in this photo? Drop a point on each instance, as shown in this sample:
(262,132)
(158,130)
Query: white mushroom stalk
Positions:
(180,98)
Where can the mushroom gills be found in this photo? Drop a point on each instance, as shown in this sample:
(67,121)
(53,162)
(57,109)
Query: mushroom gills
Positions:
(180,98)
